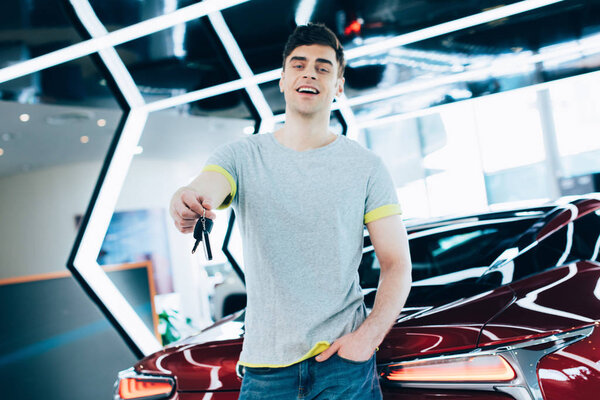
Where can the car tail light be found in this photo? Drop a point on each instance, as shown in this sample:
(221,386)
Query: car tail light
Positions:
(509,368)
(485,368)
(131,385)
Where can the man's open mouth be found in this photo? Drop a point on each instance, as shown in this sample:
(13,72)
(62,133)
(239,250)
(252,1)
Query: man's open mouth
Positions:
(307,89)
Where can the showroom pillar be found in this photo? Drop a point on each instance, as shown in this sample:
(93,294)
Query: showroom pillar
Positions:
(552,160)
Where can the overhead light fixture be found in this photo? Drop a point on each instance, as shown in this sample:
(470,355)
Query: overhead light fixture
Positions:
(109,56)
(24,117)
(84,139)
(448,27)
(248,130)
(138,150)
(354,27)
(115,38)
(101,122)
(241,65)
(1,151)
(212,91)
(305,11)
(427,33)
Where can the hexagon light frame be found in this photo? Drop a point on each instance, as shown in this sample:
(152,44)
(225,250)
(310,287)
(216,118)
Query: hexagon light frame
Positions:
(82,260)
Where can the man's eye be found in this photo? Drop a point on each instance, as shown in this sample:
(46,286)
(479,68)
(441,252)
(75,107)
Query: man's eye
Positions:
(324,70)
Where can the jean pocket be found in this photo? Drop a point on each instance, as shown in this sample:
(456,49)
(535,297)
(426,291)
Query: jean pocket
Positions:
(346,360)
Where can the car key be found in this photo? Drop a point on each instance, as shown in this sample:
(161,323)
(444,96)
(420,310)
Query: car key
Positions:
(201,230)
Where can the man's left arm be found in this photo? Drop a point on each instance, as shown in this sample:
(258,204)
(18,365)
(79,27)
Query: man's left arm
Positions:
(389,239)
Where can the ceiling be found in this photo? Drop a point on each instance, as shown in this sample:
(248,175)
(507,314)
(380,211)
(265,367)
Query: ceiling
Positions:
(191,56)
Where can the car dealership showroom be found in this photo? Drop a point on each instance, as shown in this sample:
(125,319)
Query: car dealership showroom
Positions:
(470,132)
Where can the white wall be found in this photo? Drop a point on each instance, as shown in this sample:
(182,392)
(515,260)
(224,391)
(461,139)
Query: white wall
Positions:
(38,209)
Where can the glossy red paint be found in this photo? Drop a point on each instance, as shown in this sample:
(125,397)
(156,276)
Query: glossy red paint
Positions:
(419,394)
(453,327)
(573,372)
(560,299)
(569,214)
(207,396)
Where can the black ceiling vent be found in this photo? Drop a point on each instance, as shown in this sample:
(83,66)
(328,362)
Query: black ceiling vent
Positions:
(364,77)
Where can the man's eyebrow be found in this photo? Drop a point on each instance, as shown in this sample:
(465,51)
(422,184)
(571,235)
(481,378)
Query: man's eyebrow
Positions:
(297,58)
(324,61)
(319,60)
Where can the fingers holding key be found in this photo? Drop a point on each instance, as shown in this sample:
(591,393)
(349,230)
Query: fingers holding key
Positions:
(186,207)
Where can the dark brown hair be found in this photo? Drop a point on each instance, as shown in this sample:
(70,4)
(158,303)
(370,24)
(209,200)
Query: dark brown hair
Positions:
(315,33)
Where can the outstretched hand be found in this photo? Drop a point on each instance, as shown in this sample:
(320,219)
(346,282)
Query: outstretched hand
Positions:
(350,346)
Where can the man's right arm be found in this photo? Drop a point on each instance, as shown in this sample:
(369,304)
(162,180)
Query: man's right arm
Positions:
(205,192)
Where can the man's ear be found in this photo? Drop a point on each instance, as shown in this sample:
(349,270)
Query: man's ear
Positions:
(340,86)
(281,83)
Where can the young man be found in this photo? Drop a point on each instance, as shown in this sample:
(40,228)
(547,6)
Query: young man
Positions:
(303,196)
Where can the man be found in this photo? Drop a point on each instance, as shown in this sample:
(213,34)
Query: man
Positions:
(303,196)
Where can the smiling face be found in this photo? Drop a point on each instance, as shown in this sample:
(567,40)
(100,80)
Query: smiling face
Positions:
(309,80)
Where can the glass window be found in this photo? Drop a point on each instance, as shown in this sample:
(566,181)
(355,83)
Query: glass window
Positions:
(579,240)
(576,124)
(450,259)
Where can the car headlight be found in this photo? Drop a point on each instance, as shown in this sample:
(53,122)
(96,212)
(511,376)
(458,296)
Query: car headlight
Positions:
(131,385)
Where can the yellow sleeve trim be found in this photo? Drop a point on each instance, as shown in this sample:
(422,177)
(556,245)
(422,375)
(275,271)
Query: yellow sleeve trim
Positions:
(223,171)
(383,211)
(317,349)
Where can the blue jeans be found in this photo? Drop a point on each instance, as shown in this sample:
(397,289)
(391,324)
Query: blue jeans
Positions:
(333,379)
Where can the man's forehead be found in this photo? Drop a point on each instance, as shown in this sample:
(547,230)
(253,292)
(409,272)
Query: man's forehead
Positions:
(314,51)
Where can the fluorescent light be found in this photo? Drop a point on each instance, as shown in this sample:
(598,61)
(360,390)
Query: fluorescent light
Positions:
(1,151)
(447,27)
(115,38)
(241,65)
(84,139)
(427,33)
(213,91)
(367,123)
(101,122)
(304,11)
(249,130)
(24,117)
(510,64)
(138,150)
(109,56)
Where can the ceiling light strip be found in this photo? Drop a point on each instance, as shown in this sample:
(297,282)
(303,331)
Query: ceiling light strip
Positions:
(109,56)
(85,262)
(97,226)
(498,68)
(115,38)
(450,26)
(427,33)
(241,65)
(212,91)
(368,123)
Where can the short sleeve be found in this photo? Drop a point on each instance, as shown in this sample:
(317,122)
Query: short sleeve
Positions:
(381,200)
(223,161)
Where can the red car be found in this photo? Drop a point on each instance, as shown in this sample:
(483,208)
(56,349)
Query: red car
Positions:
(503,306)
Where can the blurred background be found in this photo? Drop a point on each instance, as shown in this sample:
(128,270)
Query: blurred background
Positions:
(473,105)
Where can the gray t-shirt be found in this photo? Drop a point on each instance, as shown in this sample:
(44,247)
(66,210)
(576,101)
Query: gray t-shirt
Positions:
(301,217)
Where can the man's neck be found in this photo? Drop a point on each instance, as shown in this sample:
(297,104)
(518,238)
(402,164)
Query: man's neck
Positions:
(302,133)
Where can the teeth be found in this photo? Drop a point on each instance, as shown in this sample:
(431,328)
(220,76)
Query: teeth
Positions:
(306,89)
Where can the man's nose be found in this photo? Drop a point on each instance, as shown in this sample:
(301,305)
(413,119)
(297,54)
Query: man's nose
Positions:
(309,75)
